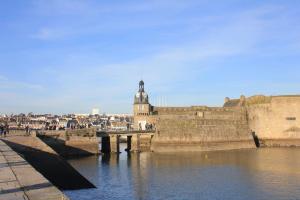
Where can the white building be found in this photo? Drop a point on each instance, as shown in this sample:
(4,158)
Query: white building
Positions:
(95,111)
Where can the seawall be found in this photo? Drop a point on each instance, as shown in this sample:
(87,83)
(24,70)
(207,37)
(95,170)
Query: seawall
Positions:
(201,129)
(46,161)
(275,120)
(19,180)
(72,143)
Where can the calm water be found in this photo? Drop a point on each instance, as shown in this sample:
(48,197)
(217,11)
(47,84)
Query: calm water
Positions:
(243,174)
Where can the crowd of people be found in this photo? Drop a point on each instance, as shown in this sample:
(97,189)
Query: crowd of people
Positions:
(4,129)
(148,127)
(78,126)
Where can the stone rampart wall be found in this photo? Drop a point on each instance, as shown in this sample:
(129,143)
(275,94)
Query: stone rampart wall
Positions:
(201,129)
(276,122)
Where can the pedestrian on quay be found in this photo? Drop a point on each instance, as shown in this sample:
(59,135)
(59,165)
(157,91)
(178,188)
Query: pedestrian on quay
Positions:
(6,129)
(27,130)
(1,129)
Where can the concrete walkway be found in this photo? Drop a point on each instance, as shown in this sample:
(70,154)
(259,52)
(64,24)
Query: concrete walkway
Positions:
(19,180)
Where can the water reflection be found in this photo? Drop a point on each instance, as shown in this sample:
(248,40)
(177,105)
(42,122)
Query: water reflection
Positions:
(244,174)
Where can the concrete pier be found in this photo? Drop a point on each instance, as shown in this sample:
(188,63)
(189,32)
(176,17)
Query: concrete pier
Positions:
(115,143)
(47,162)
(72,143)
(20,181)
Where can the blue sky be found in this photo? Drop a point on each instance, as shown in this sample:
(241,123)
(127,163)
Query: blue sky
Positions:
(68,56)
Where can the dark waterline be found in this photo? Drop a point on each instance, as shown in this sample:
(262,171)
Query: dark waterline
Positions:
(233,175)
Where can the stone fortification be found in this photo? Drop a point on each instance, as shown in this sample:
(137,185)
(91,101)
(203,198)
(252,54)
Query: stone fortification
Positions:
(273,119)
(200,128)
(265,120)
(276,123)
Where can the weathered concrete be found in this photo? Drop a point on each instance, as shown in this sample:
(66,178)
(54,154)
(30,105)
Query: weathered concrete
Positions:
(20,181)
(47,162)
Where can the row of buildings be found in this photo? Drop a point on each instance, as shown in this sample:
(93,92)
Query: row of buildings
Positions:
(60,122)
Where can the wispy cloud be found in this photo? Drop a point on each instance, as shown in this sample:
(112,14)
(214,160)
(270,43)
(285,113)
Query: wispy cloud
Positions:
(6,83)
(3,78)
(58,7)
(91,17)
(91,7)
(50,34)
(95,52)
(231,39)
(239,34)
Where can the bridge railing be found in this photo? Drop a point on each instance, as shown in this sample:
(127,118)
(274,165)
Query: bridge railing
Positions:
(129,132)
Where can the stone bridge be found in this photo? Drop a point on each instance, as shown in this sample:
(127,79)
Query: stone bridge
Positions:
(137,141)
(86,141)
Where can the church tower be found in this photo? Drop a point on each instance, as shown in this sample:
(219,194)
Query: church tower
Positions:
(141,108)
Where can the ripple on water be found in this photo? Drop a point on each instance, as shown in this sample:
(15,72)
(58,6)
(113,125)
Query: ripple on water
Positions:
(235,175)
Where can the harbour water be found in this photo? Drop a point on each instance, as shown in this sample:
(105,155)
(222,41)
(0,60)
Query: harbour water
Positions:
(270,173)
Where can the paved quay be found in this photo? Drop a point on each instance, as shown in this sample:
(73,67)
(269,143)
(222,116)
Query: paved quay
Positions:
(20,181)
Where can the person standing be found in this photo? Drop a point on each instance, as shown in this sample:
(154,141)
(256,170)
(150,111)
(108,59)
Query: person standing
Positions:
(1,129)
(27,130)
(6,128)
